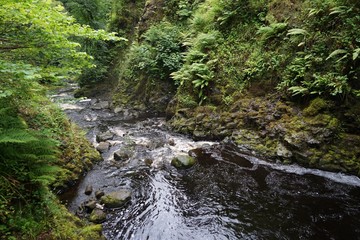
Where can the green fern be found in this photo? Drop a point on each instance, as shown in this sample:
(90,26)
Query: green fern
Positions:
(298,31)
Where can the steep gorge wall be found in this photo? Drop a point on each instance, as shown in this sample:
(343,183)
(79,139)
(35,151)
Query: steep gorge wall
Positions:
(279,78)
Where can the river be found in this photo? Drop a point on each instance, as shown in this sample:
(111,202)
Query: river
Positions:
(226,195)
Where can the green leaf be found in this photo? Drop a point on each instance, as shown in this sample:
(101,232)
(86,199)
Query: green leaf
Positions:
(356,53)
(297,31)
(337,52)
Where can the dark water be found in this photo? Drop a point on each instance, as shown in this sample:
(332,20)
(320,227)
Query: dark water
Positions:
(226,195)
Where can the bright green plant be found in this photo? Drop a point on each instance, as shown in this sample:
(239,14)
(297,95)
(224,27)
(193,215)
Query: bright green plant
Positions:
(271,31)
(158,55)
(199,66)
(26,37)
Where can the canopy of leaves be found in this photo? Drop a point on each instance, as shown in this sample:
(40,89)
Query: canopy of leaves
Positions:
(41,34)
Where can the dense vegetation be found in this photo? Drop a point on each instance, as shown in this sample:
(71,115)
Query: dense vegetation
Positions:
(39,148)
(280,78)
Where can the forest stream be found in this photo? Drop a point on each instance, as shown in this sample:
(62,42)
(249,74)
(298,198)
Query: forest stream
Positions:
(225,195)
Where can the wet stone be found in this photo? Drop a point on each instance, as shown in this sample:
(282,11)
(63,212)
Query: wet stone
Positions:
(97,216)
(183,161)
(99,194)
(124,153)
(116,199)
(88,189)
(199,134)
(90,204)
(102,137)
(148,162)
(100,105)
(103,147)
(171,142)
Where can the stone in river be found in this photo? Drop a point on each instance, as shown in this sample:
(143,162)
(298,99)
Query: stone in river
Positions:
(88,190)
(116,199)
(103,147)
(97,216)
(183,161)
(99,194)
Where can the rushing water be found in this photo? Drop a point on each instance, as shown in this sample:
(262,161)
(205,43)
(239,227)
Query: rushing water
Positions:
(226,195)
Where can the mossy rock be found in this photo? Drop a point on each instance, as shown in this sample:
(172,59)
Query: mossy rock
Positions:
(92,232)
(116,199)
(316,106)
(97,216)
(183,161)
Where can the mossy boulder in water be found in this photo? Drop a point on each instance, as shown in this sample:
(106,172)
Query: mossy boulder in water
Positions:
(116,199)
(183,161)
(97,216)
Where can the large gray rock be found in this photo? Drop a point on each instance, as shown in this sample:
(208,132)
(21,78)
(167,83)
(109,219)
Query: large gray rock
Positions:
(124,153)
(99,194)
(102,137)
(282,151)
(91,204)
(88,189)
(183,161)
(116,199)
(97,216)
(103,147)
(100,105)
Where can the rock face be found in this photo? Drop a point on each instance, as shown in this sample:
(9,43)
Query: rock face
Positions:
(312,135)
(116,199)
(183,161)
(97,216)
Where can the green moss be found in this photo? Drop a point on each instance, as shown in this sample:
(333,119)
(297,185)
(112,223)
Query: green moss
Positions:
(186,101)
(316,106)
(92,232)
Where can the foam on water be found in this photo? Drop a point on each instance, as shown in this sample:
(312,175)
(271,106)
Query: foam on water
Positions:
(296,169)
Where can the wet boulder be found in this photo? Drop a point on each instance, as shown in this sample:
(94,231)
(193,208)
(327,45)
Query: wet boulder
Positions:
(199,135)
(102,137)
(156,143)
(99,194)
(97,216)
(100,105)
(103,147)
(88,190)
(124,153)
(171,142)
(116,199)
(282,151)
(183,161)
(90,205)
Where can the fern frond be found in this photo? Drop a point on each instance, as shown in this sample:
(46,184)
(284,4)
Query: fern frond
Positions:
(337,52)
(13,136)
(297,31)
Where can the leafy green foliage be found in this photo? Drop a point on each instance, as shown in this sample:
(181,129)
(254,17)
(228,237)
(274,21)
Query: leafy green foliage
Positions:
(199,65)
(37,45)
(90,12)
(327,65)
(158,55)
(272,31)
(26,37)
(25,165)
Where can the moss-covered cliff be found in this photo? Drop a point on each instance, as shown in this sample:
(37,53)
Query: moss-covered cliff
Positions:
(280,78)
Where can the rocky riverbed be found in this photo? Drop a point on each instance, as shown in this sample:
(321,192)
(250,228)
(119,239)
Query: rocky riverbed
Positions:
(137,193)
